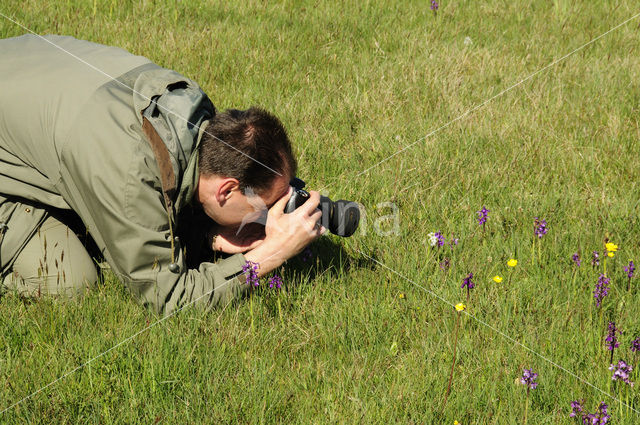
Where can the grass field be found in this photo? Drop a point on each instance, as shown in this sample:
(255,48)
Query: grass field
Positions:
(364,331)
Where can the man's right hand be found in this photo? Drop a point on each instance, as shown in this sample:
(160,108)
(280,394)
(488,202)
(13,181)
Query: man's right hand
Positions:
(287,234)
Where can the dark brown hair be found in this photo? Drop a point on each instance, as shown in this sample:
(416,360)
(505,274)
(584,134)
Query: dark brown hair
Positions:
(248,146)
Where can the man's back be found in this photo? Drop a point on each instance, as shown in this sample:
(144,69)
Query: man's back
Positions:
(71,137)
(46,82)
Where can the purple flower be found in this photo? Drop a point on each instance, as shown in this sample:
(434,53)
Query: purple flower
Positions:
(595,259)
(540,227)
(482,215)
(250,270)
(576,408)
(467,282)
(276,281)
(612,340)
(454,241)
(529,379)
(621,372)
(439,238)
(576,259)
(602,289)
(599,418)
(630,269)
(434,5)
(635,345)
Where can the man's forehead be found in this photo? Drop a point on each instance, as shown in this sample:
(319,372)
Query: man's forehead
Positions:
(280,188)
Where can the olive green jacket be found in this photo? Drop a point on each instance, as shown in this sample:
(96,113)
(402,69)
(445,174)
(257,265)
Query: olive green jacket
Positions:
(71,137)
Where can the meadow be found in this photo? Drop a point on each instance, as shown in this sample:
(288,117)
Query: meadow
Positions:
(413,113)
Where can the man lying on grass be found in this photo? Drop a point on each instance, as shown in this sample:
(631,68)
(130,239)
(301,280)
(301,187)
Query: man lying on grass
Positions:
(140,155)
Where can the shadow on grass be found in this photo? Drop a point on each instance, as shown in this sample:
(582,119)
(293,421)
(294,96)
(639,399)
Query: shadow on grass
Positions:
(325,257)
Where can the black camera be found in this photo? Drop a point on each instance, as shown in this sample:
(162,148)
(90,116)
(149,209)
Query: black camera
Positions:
(340,217)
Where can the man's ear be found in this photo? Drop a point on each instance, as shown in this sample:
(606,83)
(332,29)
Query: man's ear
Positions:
(226,187)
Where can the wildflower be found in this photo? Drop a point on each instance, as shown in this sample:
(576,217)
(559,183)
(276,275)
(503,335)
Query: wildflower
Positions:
(497,279)
(635,345)
(611,339)
(611,248)
(595,259)
(540,227)
(529,379)
(454,241)
(456,423)
(460,307)
(401,295)
(599,418)
(468,282)
(445,263)
(434,6)
(433,240)
(482,215)
(439,239)
(621,372)
(601,290)
(250,270)
(576,408)
(468,41)
(275,281)
(576,259)
(611,336)
(512,263)
(630,269)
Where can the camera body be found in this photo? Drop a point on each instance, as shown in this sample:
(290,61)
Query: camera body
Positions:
(340,217)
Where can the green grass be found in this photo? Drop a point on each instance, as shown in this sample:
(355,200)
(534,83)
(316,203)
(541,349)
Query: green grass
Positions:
(355,82)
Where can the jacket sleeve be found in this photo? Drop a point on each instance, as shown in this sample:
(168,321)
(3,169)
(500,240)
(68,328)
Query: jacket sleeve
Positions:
(109,177)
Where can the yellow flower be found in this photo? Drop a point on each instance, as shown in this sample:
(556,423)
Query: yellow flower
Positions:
(512,263)
(497,279)
(460,307)
(610,254)
(401,295)
(611,247)
(456,423)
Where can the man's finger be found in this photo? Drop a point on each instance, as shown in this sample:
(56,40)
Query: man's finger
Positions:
(311,204)
(316,216)
(255,244)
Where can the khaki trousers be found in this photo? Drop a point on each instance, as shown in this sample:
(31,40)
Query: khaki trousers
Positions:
(53,262)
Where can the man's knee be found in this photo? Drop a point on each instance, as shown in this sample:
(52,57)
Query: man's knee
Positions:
(53,262)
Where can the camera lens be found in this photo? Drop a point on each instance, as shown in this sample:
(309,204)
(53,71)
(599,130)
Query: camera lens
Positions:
(340,217)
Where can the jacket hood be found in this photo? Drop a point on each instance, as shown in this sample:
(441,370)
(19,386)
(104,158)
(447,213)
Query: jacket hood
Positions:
(179,111)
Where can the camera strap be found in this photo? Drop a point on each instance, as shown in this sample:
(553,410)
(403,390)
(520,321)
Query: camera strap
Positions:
(167,175)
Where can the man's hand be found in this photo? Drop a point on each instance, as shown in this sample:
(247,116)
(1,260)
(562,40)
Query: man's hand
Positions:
(287,234)
(229,240)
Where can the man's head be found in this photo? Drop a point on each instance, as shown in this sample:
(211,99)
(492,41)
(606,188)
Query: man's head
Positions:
(245,162)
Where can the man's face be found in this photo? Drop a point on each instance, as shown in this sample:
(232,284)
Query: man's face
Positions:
(224,202)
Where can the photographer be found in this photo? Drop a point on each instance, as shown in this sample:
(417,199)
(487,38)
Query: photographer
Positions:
(139,155)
